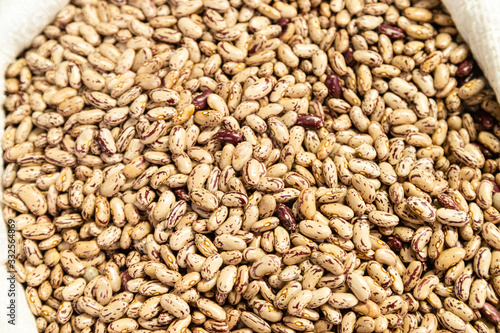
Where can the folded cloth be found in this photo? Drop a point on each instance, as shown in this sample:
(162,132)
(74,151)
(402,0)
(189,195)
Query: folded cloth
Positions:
(477,21)
(20,22)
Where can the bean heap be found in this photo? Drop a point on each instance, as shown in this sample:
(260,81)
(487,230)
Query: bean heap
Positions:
(253,166)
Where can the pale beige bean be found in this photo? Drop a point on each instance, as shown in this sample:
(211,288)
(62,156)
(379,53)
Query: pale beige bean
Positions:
(314,230)
(175,305)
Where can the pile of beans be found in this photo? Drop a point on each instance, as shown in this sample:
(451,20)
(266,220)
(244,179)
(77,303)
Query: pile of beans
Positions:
(194,166)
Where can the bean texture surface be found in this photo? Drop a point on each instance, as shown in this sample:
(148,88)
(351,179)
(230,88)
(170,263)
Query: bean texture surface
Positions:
(216,166)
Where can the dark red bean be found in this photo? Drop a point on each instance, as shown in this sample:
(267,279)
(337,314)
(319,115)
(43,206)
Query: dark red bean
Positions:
(182,194)
(286,217)
(309,121)
(283,21)
(332,82)
(485,151)
(447,202)
(394,243)
(349,57)
(465,68)
(200,101)
(391,31)
(229,136)
(486,120)
(462,80)
(474,74)
(490,313)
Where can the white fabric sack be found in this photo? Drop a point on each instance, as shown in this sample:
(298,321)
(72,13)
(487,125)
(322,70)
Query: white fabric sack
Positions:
(477,21)
(22,20)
